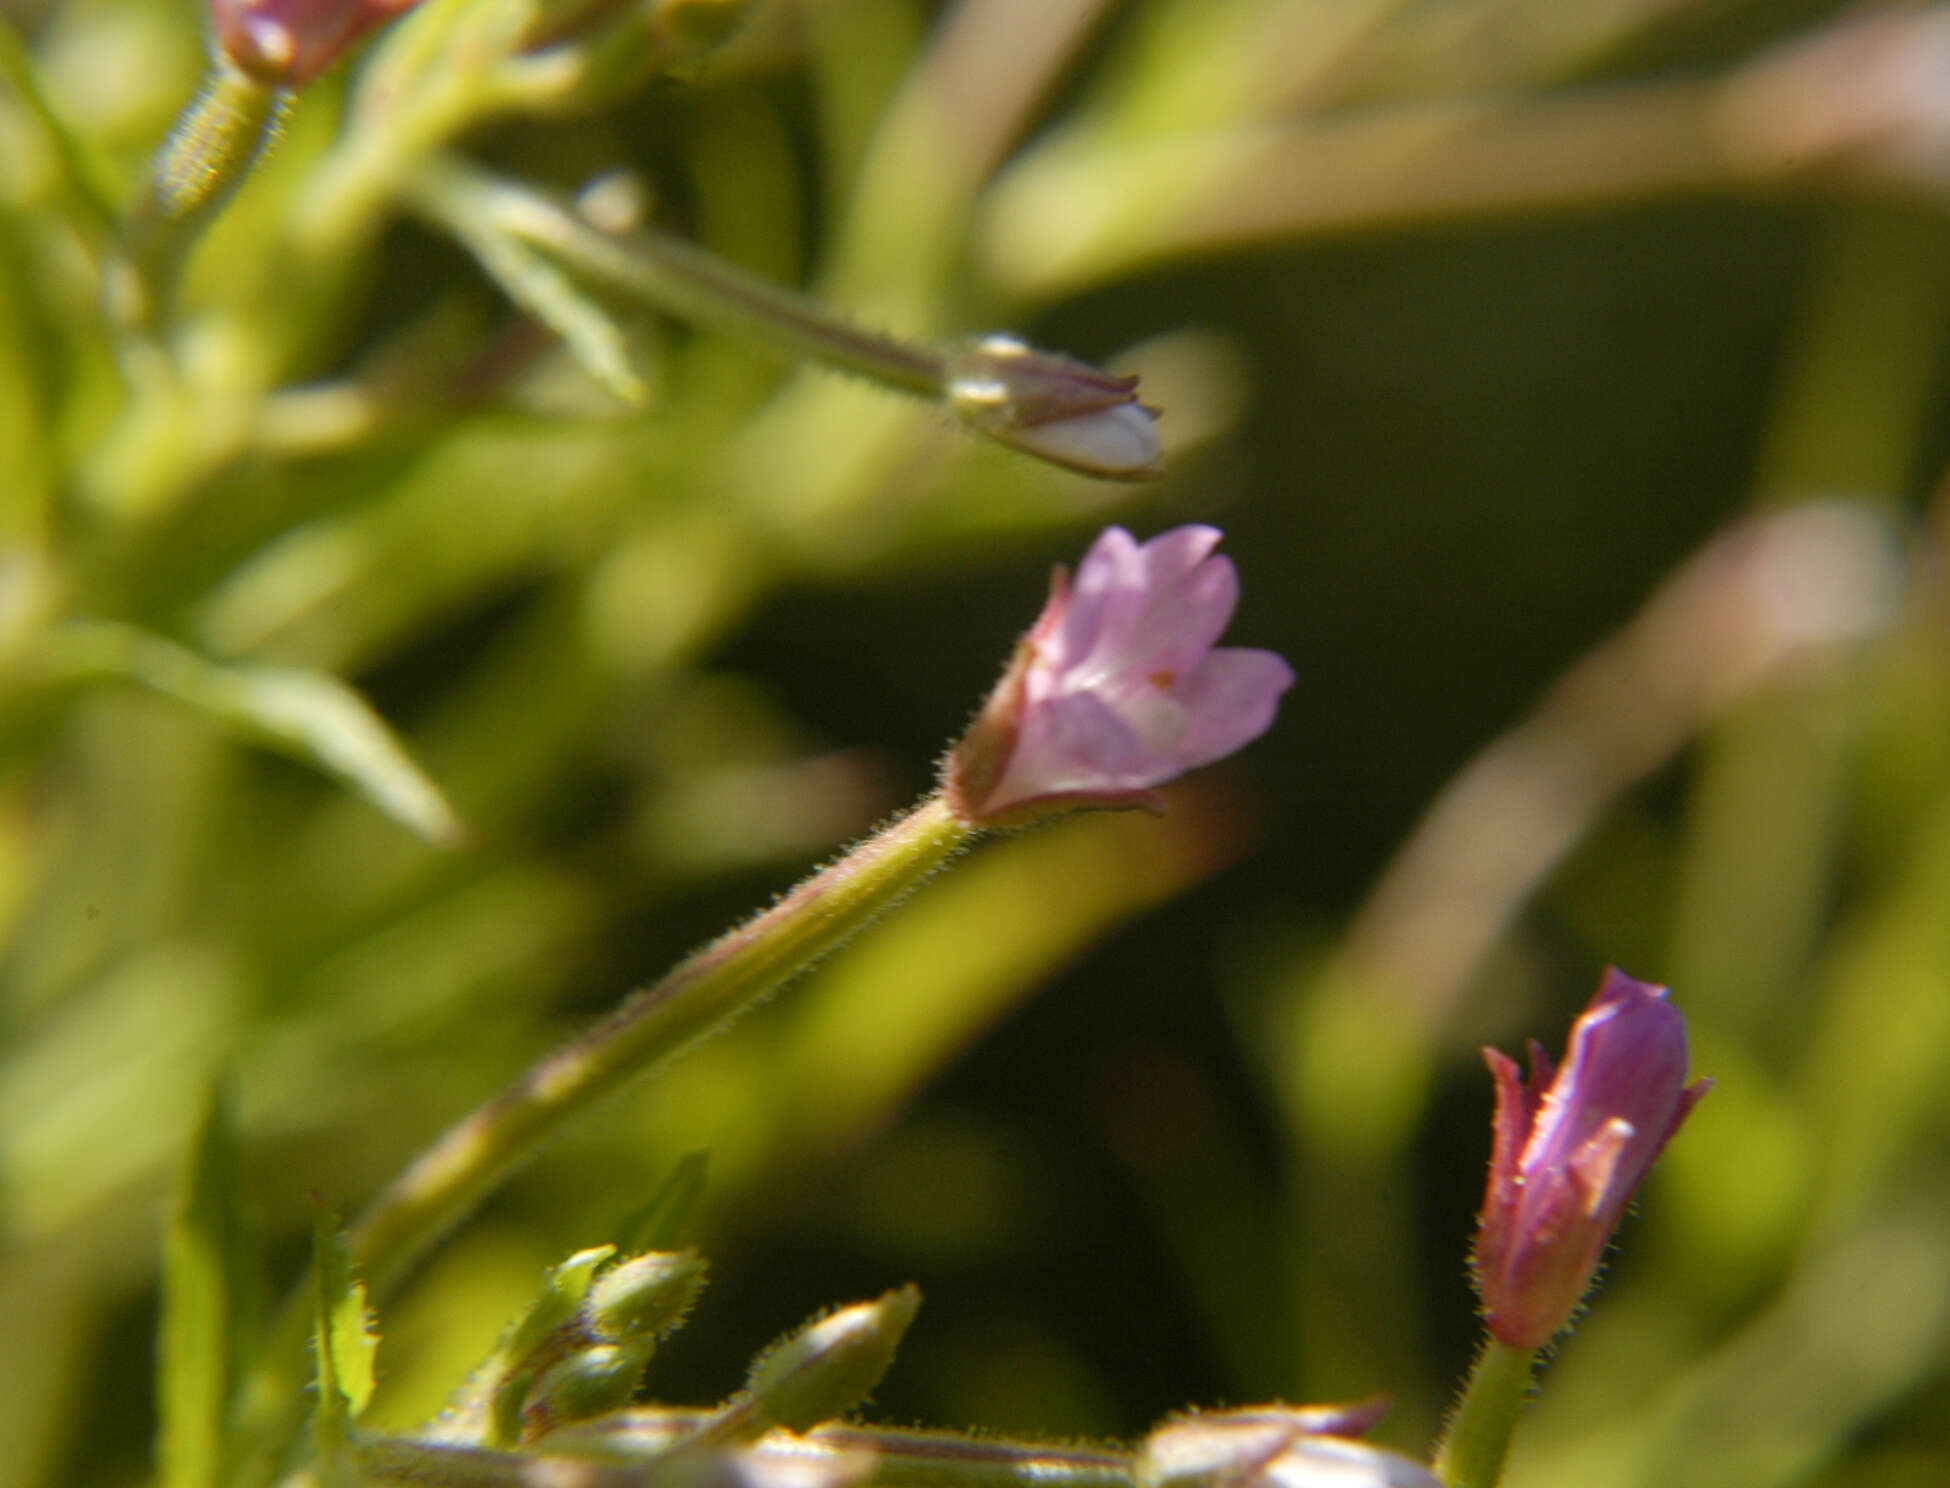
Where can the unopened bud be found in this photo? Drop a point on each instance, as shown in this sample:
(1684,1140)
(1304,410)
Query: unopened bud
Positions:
(830,1366)
(1571,1145)
(645,1296)
(590,1382)
(545,1334)
(564,1288)
(1054,407)
(290,42)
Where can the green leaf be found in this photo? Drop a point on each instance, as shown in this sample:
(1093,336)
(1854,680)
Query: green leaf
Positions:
(307,714)
(78,180)
(342,1339)
(203,1267)
(658,1223)
(461,204)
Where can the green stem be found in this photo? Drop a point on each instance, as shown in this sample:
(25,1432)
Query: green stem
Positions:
(1478,1441)
(673,276)
(946,1459)
(625,1449)
(433,1464)
(727,977)
(731,975)
(206,157)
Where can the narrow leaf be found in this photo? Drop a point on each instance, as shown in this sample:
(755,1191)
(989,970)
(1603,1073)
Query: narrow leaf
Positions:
(307,714)
(78,178)
(342,1339)
(544,291)
(659,1222)
(201,1267)
(541,288)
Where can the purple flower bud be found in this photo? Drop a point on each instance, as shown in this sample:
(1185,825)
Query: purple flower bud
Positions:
(290,42)
(1054,407)
(1117,688)
(1571,1149)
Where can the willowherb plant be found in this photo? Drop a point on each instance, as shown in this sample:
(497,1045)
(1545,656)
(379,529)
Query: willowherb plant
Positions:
(226,487)
(1116,689)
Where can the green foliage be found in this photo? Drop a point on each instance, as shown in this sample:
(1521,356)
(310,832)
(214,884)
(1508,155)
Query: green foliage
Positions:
(661,1220)
(210,1285)
(480,452)
(344,1346)
(314,716)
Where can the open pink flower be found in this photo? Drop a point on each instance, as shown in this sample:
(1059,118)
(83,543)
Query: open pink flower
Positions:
(1571,1149)
(1118,688)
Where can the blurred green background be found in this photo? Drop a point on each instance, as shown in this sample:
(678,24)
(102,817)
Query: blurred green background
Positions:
(1472,322)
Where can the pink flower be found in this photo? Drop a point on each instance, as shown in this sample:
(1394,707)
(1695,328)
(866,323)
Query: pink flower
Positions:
(1568,1157)
(290,42)
(1117,687)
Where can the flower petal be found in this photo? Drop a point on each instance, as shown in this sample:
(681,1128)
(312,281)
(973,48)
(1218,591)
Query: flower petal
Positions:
(1229,699)
(1105,596)
(1187,614)
(1076,744)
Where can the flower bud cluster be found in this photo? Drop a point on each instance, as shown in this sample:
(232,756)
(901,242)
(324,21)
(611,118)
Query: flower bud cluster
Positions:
(580,1349)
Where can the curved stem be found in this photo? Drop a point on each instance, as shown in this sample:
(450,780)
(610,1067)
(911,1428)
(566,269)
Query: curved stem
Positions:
(677,277)
(733,974)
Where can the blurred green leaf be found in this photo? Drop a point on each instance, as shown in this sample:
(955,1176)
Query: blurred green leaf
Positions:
(659,1222)
(452,199)
(343,1340)
(317,718)
(78,181)
(204,1271)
